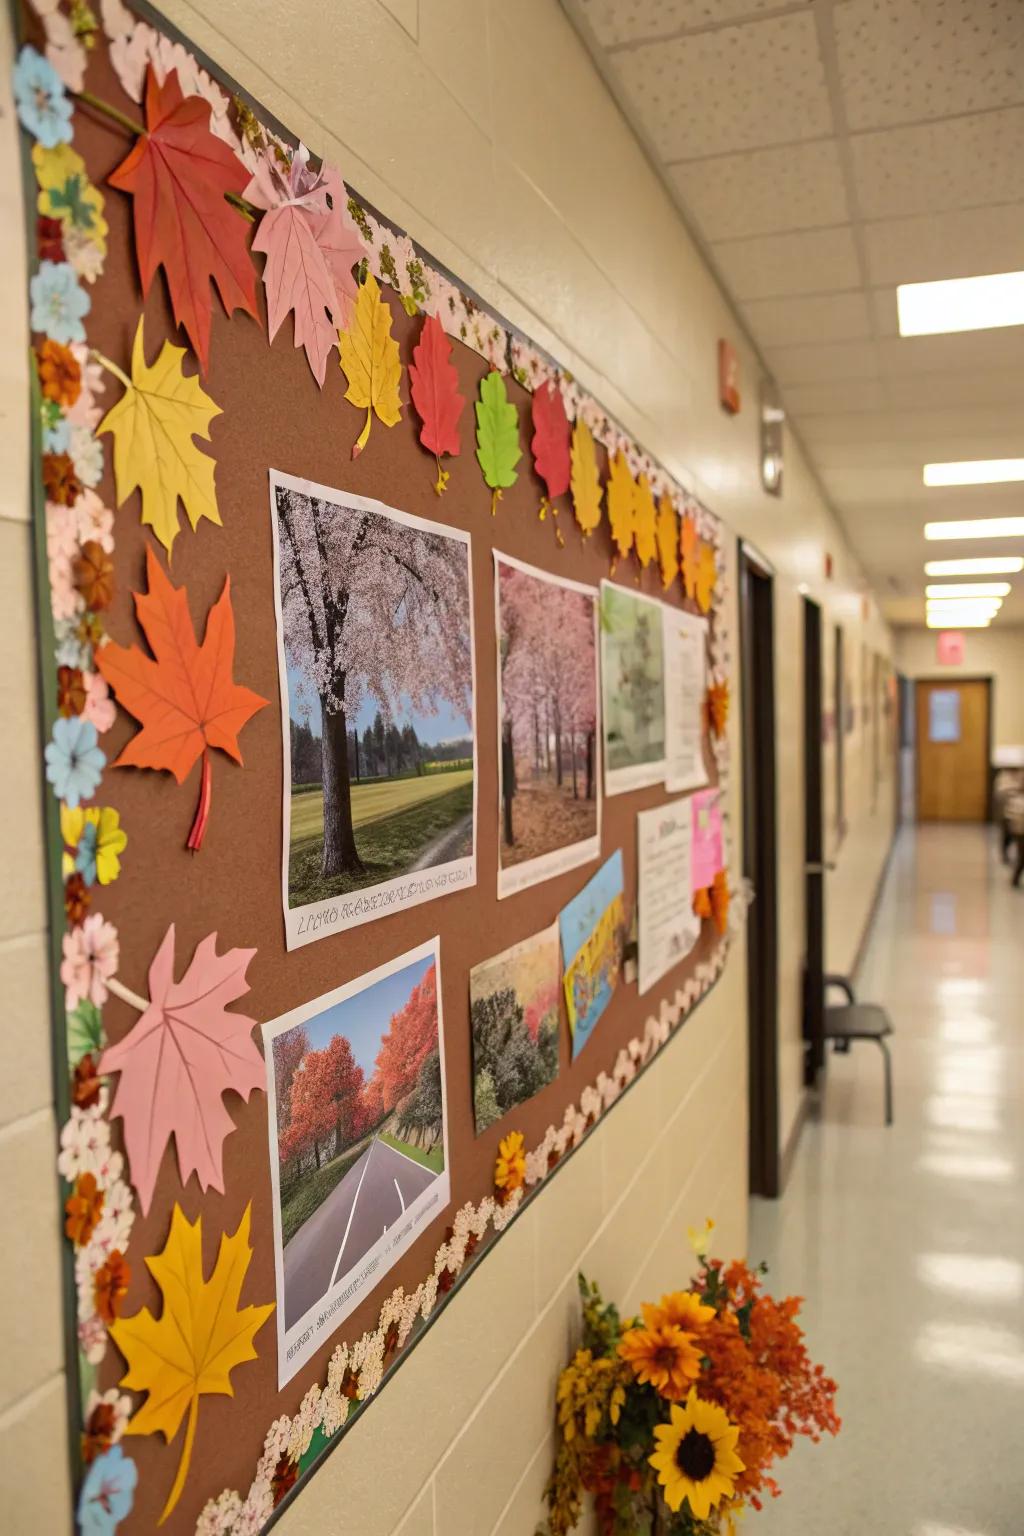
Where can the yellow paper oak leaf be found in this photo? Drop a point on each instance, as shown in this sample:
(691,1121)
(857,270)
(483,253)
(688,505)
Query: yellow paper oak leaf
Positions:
(585,479)
(706,576)
(198,1339)
(688,542)
(153,426)
(645,522)
(621,504)
(668,541)
(370,360)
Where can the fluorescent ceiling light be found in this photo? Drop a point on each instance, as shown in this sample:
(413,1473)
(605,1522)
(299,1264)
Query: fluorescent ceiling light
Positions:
(935,620)
(984,565)
(965,602)
(969,589)
(974,472)
(977,528)
(961,304)
(947,614)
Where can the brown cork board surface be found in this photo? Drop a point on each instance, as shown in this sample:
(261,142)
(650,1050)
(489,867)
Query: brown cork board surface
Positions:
(274,416)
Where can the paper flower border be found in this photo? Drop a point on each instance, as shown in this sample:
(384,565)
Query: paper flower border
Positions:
(79,537)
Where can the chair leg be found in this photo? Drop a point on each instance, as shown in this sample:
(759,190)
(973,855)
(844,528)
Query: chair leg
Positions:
(888,1080)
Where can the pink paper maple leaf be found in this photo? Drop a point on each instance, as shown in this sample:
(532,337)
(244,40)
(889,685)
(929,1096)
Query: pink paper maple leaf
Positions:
(311,247)
(184,1053)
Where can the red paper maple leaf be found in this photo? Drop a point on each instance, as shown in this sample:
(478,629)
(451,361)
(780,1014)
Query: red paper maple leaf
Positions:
(184,696)
(179,174)
(550,443)
(182,1055)
(434,384)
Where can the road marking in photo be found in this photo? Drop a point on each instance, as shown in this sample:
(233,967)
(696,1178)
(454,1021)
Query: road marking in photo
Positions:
(352,1211)
(400,1195)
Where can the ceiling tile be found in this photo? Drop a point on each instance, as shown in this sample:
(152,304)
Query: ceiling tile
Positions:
(968,388)
(961,163)
(631,21)
(792,322)
(884,312)
(932,246)
(951,353)
(734,88)
(809,365)
(909,425)
(902,61)
(764,191)
(772,266)
(806,402)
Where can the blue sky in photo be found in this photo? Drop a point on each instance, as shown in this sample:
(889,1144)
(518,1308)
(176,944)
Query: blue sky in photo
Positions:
(366,1017)
(578,918)
(446,725)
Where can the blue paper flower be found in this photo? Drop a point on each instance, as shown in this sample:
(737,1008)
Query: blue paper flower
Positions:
(74,762)
(56,434)
(108,1493)
(58,302)
(43,107)
(85,856)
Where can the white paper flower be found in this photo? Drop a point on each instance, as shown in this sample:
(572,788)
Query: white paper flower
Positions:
(220,1514)
(86,456)
(92,1338)
(85,1143)
(120,1405)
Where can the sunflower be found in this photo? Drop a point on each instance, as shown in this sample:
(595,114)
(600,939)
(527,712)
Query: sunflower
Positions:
(664,1356)
(510,1165)
(696,1457)
(683,1309)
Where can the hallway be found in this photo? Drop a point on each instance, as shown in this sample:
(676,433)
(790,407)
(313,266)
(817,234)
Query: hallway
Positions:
(909,1244)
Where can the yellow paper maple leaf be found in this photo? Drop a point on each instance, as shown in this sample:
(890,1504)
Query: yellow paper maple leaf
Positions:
(645,522)
(621,504)
(668,541)
(585,480)
(370,360)
(200,1336)
(153,426)
(706,576)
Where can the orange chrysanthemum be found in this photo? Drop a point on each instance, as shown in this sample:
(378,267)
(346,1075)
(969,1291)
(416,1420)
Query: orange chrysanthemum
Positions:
(680,1309)
(83,1209)
(60,375)
(60,480)
(110,1286)
(666,1357)
(70,691)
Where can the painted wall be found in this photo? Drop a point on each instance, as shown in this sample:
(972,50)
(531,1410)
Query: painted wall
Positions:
(482,128)
(997,653)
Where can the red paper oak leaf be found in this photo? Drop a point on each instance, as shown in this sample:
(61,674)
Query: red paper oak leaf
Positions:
(179,174)
(550,443)
(435,394)
(182,1055)
(184,696)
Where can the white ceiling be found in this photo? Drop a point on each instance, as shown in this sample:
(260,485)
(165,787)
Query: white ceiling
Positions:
(823,151)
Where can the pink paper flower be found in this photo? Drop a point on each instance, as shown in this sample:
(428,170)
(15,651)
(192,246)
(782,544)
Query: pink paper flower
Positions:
(85,412)
(91,956)
(99,706)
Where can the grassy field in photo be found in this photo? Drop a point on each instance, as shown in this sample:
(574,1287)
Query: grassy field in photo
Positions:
(434,1159)
(309,1192)
(397,822)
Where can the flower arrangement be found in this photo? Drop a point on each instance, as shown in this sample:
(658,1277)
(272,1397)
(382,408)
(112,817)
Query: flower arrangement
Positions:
(674,1420)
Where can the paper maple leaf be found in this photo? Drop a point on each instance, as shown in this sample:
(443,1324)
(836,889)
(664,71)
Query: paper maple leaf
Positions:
(688,545)
(153,426)
(720,901)
(585,479)
(181,1056)
(706,576)
(645,522)
(180,174)
(621,504)
(550,444)
(497,436)
(668,541)
(369,357)
(184,696)
(718,707)
(434,385)
(311,247)
(201,1335)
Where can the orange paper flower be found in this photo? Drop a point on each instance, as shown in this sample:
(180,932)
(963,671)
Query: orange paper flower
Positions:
(94,575)
(62,484)
(666,1357)
(720,900)
(110,1286)
(83,1209)
(702,902)
(60,376)
(510,1167)
(70,691)
(76,899)
(718,707)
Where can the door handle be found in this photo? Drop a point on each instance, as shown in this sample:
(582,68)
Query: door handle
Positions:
(819,869)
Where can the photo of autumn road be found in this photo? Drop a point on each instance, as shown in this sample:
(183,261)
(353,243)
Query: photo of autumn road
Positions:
(359,1112)
(374,1194)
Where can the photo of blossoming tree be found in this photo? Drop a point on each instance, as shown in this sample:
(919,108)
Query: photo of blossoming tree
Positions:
(377,674)
(359,1113)
(547,657)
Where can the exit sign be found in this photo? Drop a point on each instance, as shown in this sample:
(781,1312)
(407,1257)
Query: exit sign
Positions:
(950,648)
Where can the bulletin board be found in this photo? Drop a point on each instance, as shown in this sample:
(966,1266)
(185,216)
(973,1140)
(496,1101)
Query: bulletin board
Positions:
(164,433)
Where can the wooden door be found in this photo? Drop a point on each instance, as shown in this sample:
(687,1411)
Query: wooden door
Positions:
(952,750)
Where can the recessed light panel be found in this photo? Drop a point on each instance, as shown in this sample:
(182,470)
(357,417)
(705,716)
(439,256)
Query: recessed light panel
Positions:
(977,528)
(961,304)
(974,472)
(983,565)
(973,621)
(958,589)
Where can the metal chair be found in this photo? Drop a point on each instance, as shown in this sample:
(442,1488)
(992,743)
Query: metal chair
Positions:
(859,1021)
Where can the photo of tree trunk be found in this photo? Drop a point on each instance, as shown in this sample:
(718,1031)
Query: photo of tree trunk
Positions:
(376,649)
(633,689)
(548,724)
(359,1113)
(513,1008)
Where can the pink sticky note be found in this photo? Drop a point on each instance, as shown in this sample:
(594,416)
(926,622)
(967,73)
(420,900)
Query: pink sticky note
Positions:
(706,855)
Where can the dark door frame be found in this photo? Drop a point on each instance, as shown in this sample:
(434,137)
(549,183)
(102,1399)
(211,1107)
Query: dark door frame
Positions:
(814,847)
(757,651)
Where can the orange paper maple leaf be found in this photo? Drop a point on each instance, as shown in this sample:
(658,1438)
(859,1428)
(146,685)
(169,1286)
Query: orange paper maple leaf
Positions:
(688,542)
(184,695)
(180,176)
(718,707)
(720,900)
(702,902)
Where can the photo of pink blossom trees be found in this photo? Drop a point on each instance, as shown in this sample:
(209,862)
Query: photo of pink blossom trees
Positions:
(548,723)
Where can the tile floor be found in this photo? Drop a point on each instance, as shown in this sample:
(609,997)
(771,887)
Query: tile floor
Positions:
(909,1243)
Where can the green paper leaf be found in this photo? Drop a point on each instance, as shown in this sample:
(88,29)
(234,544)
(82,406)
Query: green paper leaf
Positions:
(68,200)
(85,1032)
(497,433)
